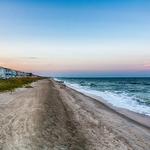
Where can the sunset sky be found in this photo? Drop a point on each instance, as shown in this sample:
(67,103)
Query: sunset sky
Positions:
(76,37)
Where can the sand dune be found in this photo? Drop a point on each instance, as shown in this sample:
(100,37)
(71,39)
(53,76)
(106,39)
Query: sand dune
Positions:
(50,116)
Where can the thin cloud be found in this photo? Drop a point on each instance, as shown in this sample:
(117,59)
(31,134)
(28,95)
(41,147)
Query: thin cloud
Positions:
(147,66)
(31,57)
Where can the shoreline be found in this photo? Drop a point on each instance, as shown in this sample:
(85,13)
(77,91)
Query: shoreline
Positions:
(141,119)
(120,125)
(52,116)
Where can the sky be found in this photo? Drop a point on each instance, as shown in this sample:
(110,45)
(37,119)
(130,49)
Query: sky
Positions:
(85,38)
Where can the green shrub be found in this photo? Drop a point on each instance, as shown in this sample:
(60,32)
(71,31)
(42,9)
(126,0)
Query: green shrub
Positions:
(11,84)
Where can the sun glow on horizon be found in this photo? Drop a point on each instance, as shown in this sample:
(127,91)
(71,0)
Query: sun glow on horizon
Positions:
(77,37)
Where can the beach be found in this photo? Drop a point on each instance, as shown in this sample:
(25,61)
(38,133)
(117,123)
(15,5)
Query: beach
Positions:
(51,116)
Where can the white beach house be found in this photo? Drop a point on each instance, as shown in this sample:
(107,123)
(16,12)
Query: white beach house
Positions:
(6,73)
(2,73)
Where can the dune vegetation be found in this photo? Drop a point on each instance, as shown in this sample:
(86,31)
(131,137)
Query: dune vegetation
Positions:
(11,84)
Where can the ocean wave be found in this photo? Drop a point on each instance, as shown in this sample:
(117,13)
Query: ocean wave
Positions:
(82,83)
(93,85)
(121,100)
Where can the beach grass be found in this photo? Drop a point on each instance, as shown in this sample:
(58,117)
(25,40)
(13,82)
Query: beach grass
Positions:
(11,84)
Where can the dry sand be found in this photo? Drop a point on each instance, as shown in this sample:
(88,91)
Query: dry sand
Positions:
(50,116)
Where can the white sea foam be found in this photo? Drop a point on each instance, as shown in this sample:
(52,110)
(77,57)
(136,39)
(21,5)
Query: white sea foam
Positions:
(56,79)
(117,100)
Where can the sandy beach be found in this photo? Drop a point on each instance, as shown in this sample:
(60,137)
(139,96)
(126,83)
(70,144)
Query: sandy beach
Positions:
(51,116)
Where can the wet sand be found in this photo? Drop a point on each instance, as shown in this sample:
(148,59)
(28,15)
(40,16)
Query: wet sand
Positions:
(133,116)
(51,116)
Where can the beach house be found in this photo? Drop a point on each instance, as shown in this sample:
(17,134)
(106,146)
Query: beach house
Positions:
(2,73)
(6,73)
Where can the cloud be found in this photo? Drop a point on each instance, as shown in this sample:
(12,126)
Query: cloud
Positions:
(147,66)
(30,57)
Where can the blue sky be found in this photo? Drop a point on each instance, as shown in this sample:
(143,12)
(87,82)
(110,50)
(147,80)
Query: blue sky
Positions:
(82,37)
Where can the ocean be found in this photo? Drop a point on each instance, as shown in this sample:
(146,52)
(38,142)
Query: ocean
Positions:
(129,93)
